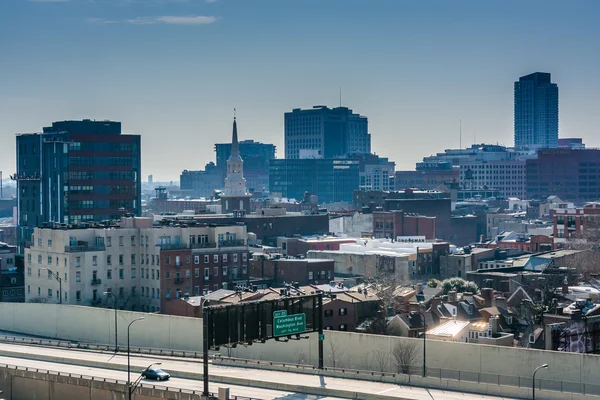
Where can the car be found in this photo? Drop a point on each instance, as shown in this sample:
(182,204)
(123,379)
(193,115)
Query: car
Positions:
(155,373)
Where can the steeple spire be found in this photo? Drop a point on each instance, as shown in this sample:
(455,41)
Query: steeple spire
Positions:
(235,147)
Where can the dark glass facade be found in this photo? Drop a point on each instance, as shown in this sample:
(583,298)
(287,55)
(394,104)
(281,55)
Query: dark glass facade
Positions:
(331,180)
(76,171)
(572,175)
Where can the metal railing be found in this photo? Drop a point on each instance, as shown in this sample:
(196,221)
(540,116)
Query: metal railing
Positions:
(83,248)
(231,243)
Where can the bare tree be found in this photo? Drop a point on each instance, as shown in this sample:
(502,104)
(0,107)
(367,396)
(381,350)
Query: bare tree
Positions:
(405,354)
(301,357)
(335,353)
(381,359)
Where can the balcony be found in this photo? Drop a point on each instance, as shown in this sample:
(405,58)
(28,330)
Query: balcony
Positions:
(232,243)
(82,248)
(173,246)
(205,245)
(96,282)
(179,280)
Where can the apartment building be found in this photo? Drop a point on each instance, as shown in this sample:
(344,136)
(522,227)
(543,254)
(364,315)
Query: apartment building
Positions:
(100,263)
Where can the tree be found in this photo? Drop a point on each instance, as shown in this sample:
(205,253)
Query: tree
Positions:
(459,285)
(433,283)
(386,283)
(335,353)
(381,359)
(405,354)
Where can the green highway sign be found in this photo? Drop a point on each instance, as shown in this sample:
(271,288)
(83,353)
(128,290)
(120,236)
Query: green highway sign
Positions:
(289,324)
(280,313)
(322,337)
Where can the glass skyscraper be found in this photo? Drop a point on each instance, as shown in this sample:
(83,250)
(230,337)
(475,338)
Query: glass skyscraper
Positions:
(536,112)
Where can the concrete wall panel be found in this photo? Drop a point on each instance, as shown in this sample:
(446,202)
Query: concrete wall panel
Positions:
(30,389)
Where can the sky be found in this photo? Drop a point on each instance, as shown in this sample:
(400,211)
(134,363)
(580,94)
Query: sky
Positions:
(174,70)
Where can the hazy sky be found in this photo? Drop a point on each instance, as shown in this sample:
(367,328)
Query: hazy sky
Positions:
(173,70)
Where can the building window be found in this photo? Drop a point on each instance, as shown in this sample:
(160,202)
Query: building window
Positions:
(187,273)
(109,260)
(216,271)
(121,292)
(78,295)
(310,275)
(78,262)
(28,271)
(235,258)
(77,276)
(49,242)
(121,273)
(168,294)
(49,293)
(197,290)
(39,258)
(343,311)
(168,260)
(168,275)
(121,259)
(206,274)
(152,274)
(196,272)
(95,261)
(225,272)
(132,273)
(343,327)
(133,240)
(206,260)
(244,257)
(224,258)
(187,260)
(108,241)
(28,289)
(49,260)
(109,274)
(120,240)
(133,259)
(216,258)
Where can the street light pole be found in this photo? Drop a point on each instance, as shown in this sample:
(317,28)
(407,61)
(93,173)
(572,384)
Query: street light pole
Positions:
(55,276)
(116,330)
(132,388)
(205,392)
(128,357)
(424,347)
(533,383)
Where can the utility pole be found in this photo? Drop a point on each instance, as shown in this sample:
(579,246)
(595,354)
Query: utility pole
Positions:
(321,338)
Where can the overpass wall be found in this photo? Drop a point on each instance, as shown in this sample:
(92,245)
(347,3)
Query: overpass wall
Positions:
(341,349)
(20,384)
(97,325)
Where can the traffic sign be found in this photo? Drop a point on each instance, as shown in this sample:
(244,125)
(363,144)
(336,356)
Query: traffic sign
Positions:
(322,337)
(279,313)
(289,324)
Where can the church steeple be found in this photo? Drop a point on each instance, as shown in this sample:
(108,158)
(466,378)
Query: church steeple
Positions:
(235,147)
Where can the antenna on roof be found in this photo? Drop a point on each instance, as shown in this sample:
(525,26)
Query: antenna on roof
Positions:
(460,133)
(340,96)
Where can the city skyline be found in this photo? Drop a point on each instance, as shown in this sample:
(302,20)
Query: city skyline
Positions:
(176,69)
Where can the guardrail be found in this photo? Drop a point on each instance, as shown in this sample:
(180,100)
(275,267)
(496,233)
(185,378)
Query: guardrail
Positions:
(440,374)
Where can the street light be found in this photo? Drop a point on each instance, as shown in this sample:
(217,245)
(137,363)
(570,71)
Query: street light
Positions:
(128,357)
(132,388)
(205,392)
(55,276)
(116,334)
(424,342)
(534,372)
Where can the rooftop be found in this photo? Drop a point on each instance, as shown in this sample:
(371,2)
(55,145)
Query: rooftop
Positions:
(449,329)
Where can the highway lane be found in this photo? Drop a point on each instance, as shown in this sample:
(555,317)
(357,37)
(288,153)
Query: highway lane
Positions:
(256,376)
(178,383)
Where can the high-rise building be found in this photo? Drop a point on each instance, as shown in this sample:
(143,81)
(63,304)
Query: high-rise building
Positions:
(536,112)
(322,132)
(331,180)
(256,156)
(76,171)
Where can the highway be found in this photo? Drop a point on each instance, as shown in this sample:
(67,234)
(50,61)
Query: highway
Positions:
(260,384)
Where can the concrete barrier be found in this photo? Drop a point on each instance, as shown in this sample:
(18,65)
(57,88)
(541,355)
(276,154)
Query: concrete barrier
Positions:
(26,384)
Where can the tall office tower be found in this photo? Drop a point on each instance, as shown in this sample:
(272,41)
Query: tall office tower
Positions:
(322,132)
(256,156)
(536,112)
(76,171)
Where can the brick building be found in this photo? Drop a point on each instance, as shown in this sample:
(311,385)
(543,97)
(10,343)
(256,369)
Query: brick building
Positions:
(572,175)
(287,270)
(571,223)
(392,224)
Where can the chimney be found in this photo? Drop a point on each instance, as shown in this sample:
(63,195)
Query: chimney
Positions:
(436,301)
(565,286)
(499,301)
(413,306)
(494,324)
(452,296)
(488,295)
